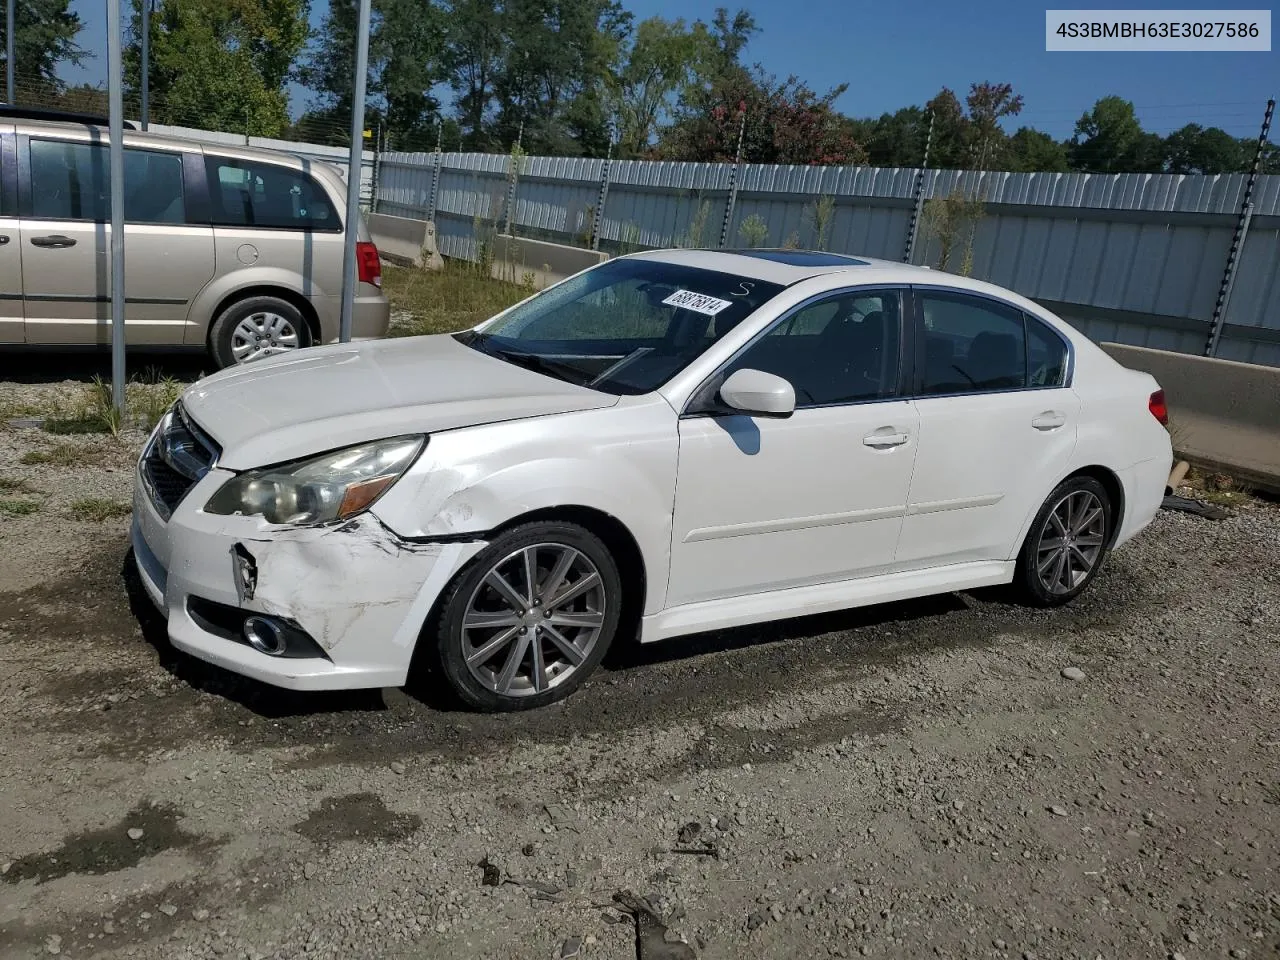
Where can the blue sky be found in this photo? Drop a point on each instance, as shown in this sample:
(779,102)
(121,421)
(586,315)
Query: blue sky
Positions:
(896,54)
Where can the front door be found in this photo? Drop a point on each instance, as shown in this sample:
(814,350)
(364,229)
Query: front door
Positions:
(997,428)
(66,245)
(764,504)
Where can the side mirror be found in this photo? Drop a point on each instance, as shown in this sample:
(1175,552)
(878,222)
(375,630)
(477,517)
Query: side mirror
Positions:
(758,393)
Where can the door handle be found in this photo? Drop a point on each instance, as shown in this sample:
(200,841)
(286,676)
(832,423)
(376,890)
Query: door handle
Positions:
(57,241)
(1049,420)
(4,238)
(883,441)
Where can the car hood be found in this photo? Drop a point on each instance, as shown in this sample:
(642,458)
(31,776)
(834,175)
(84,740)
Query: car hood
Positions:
(323,398)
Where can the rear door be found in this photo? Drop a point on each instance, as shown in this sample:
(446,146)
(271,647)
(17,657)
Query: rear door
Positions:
(10,248)
(278,218)
(997,427)
(64,194)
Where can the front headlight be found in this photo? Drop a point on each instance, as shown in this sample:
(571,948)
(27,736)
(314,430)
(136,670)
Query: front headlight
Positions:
(332,486)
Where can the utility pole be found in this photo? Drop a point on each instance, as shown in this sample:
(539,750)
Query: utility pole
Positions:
(9,45)
(1219,318)
(355,161)
(146,65)
(917,205)
(733,181)
(115,97)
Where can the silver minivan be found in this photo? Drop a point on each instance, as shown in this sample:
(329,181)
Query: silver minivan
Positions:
(234,250)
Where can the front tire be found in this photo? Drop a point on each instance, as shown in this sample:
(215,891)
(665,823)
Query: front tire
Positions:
(530,618)
(257,327)
(1066,544)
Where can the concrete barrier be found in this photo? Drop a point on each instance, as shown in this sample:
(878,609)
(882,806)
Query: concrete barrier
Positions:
(412,242)
(518,260)
(1223,415)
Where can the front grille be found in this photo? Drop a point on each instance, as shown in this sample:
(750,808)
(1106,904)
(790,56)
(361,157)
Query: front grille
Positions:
(177,458)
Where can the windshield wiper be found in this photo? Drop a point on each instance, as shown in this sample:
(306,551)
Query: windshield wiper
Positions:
(540,364)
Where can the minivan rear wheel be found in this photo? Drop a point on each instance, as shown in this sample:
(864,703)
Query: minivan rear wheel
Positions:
(257,327)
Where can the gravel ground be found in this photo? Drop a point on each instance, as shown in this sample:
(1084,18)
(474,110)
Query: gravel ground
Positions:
(920,779)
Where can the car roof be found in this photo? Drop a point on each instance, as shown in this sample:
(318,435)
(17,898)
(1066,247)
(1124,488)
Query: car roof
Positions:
(138,138)
(786,266)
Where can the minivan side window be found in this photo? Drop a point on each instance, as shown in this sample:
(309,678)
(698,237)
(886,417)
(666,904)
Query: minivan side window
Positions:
(248,193)
(71,181)
(840,349)
(971,345)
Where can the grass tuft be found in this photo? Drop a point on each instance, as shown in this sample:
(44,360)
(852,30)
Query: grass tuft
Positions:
(99,509)
(444,301)
(10,485)
(65,455)
(18,508)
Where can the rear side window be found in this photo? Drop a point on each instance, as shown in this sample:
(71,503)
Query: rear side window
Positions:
(71,181)
(247,193)
(971,345)
(1047,355)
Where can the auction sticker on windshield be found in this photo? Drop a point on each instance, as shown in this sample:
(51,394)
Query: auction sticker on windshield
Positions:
(697,302)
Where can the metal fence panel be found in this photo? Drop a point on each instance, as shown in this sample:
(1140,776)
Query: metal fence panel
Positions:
(1136,258)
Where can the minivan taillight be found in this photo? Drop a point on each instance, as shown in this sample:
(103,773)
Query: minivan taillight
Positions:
(368,264)
(1159,409)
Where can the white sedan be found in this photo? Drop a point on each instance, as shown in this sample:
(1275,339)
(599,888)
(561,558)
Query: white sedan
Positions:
(670,442)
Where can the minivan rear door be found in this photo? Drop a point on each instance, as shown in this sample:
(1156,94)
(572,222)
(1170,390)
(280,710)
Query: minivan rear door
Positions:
(64,198)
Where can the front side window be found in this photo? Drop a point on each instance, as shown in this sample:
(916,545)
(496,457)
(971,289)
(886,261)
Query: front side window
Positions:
(71,181)
(842,349)
(626,327)
(246,193)
(971,345)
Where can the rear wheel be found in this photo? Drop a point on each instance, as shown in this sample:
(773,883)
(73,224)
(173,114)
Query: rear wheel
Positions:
(257,327)
(1066,544)
(530,618)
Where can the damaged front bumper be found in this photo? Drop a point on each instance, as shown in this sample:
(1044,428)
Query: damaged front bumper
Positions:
(357,589)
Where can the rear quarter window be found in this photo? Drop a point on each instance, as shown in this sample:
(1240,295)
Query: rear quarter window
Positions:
(246,193)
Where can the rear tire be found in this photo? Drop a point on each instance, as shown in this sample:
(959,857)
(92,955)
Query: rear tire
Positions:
(529,618)
(256,327)
(1066,544)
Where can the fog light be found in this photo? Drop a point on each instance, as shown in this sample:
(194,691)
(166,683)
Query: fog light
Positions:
(265,635)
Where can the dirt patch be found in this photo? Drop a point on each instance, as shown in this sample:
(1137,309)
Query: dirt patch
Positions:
(144,832)
(357,816)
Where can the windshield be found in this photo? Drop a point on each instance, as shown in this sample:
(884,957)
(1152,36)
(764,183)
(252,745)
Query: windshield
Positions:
(626,327)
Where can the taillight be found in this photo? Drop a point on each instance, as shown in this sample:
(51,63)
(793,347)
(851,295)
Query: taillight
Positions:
(1159,409)
(368,264)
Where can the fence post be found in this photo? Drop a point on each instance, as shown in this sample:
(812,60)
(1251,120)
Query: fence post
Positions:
(917,206)
(1237,240)
(377,170)
(733,182)
(513,176)
(598,220)
(435,174)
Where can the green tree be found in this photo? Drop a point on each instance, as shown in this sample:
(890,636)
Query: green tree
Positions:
(1109,139)
(45,33)
(551,82)
(896,139)
(659,64)
(1032,150)
(220,64)
(406,61)
(988,104)
(950,148)
(1194,149)
(473,51)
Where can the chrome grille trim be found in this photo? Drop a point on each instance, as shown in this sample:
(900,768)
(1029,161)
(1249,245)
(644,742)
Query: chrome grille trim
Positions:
(176,459)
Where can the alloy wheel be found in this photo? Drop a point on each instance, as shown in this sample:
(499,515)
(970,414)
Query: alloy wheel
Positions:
(1071,542)
(262,334)
(533,620)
